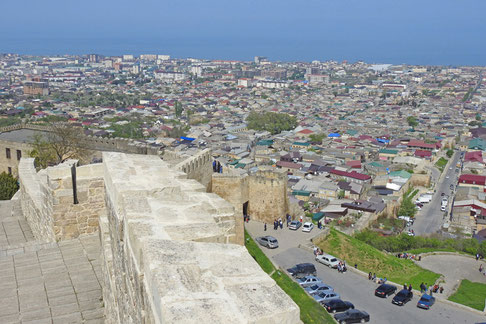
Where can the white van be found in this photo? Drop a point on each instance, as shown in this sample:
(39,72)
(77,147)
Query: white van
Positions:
(327,259)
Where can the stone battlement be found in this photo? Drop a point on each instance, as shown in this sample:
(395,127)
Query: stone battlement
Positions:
(168,247)
(167,253)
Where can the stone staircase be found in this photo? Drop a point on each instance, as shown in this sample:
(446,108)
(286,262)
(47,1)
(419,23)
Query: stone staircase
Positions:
(57,282)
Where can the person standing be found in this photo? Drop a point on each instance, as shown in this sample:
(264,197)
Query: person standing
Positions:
(301,218)
(410,287)
(265,227)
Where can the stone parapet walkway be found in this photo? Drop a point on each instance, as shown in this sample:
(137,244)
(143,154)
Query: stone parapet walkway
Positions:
(47,282)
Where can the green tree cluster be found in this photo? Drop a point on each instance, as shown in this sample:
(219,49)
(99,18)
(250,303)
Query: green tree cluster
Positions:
(412,121)
(317,138)
(270,121)
(178,109)
(8,186)
(449,153)
(407,207)
(404,242)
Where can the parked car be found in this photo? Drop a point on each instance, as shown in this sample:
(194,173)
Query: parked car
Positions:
(317,288)
(443,208)
(337,305)
(308,281)
(402,297)
(307,227)
(295,225)
(327,259)
(268,241)
(302,269)
(426,301)
(385,290)
(352,316)
(442,194)
(323,297)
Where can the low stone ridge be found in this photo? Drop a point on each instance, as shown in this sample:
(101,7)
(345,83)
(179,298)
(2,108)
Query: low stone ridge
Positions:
(169,254)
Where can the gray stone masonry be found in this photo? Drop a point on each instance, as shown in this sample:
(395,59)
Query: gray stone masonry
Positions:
(47,282)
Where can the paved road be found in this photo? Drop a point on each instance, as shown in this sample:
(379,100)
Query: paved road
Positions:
(357,289)
(430,218)
(468,269)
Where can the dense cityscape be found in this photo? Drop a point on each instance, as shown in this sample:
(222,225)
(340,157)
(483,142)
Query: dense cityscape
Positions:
(365,168)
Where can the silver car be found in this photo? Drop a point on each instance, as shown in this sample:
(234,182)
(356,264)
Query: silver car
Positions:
(325,296)
(308,281)
(268,241)
(294,225)
(318,288)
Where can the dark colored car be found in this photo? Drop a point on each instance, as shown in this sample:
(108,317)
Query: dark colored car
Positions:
(337,305)
(385,290)
(426,301)
(352,316)
(302,270)
(402,297)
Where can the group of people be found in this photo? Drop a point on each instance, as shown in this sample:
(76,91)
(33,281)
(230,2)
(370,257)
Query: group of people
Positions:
(432,289)
(409,288)
(408,256)
(373,278)
(342,267)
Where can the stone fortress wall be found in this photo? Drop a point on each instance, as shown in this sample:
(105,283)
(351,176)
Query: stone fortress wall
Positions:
(47,199)
(94,143)
(198,166)
(168,246)
(264,191)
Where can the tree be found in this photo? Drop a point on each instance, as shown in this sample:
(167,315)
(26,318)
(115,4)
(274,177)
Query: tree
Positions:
(449,153)
(61,143)
(178,109)
(8,186)
(341,194)
(412,121)
(272,122)
(317,138)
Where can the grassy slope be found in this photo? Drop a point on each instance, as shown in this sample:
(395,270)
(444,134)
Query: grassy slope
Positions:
(310,311)
(372,260)
(471,294)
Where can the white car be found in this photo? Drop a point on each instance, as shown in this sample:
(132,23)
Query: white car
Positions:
(443,208)
(307,227)
(327,259)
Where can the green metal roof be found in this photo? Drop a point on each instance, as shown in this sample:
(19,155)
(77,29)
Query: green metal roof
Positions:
(301,143)
(265,142)
(477,144)
(301,193)
(376,164)
(402,174)
(317,216)
(388,151)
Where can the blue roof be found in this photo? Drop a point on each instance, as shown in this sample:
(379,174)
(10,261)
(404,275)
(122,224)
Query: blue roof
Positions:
(187,138)
(334,135)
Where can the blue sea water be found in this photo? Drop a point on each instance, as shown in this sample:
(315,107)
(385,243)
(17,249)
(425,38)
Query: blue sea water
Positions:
(246,49)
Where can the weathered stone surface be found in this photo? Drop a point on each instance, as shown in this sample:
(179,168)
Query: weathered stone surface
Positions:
(167,257)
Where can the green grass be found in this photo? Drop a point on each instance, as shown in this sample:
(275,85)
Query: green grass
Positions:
(258,255)
(441,163)
(471,294)
(310,311)
(370,259)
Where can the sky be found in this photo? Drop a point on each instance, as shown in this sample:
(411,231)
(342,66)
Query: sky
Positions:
(447,32)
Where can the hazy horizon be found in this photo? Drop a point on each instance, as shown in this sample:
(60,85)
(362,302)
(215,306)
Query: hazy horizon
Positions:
(416,32)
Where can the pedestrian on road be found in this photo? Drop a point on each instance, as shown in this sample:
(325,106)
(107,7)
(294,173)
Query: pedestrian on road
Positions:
(301,218)
(405,286)
(477,256)
(481,268)
(441,289)
(410,287)
(369,276)
(265,227)
(374,277)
